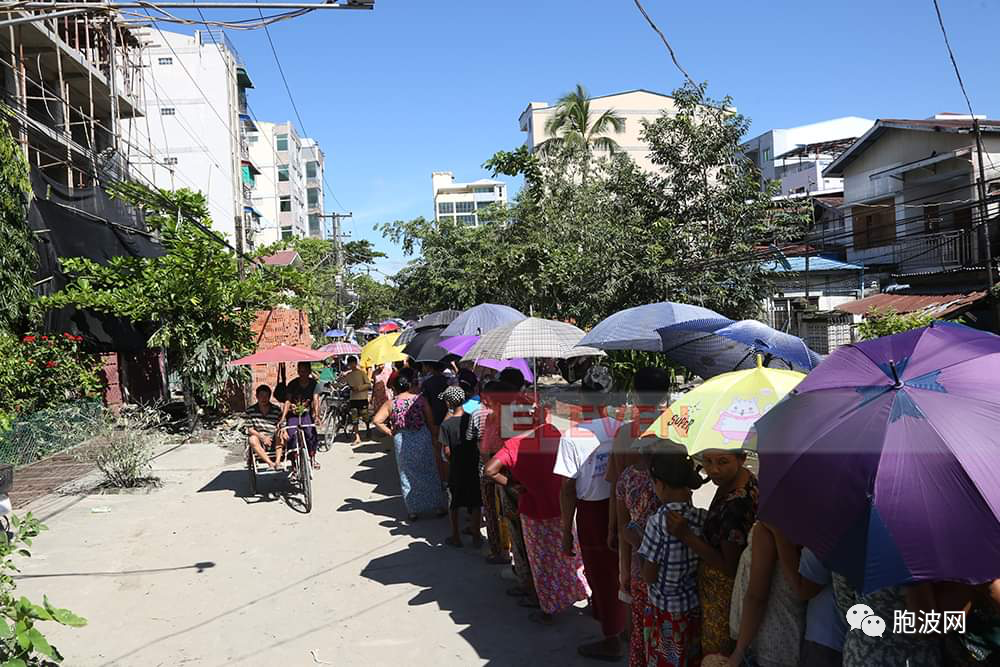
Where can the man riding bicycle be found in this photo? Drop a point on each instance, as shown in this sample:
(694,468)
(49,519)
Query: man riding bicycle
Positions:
(262,430)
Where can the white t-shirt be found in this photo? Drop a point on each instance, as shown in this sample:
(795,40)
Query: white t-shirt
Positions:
(584,450)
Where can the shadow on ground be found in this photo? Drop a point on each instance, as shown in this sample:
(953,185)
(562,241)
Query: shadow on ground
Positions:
(459,580)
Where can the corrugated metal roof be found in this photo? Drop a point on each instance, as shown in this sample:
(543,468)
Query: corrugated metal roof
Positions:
(798,265)
(938,305)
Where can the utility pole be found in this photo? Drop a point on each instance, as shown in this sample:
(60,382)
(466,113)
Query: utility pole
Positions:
(338,258)
(984,220)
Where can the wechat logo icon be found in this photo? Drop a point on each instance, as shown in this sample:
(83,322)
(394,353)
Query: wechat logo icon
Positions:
(861,617)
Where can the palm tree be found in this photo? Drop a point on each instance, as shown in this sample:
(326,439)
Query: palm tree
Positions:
(573,124)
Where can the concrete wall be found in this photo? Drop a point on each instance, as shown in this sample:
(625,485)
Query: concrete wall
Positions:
(202,132)
(269,190)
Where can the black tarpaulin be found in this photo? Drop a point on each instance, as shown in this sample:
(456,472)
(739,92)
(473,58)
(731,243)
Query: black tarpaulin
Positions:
(62,231)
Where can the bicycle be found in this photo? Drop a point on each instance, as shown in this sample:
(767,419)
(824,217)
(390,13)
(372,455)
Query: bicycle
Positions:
(297,453)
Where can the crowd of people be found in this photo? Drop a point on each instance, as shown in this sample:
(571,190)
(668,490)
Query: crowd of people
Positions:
(586,511)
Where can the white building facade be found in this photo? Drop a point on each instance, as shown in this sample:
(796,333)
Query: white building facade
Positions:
(196,123)
(462,203)
(289,194)
(633,106)
(797,156)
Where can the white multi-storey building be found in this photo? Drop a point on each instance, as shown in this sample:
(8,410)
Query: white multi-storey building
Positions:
(462,202)
(289,193)
(313,165)
(797,156)
(196,120)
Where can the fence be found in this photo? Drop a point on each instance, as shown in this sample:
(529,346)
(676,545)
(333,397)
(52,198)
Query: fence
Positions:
(48,431)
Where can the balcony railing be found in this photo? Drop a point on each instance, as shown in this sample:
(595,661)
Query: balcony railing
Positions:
(947,250)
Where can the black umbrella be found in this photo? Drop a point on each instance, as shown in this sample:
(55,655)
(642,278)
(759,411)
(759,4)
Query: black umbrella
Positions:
(441,318)
(424,346)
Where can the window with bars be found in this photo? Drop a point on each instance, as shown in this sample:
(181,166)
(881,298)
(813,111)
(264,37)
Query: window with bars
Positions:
(166,60)
(169,160)
(168,111)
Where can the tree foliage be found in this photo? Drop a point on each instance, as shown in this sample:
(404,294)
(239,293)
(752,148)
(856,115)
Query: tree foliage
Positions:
(573,124)
(376,301)
(885,322)
(589,236)
(18,259)
(319,286)
(194,294)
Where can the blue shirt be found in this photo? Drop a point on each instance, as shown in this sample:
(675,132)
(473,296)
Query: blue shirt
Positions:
(676,586)
(824,623)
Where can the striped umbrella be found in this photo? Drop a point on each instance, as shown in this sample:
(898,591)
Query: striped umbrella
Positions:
(482,318)
(340,349)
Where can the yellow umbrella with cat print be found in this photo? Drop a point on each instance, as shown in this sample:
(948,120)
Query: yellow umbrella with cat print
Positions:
(720,413)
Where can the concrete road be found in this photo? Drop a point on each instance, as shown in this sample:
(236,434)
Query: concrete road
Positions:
(201,573)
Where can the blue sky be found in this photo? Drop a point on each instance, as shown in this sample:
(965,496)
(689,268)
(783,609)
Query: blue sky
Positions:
(417,86)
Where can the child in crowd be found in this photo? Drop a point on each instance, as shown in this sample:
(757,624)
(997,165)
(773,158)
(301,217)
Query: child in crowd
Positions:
(672,623)
(462,454)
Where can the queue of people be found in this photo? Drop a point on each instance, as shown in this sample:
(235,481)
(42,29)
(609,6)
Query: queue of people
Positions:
(591,512)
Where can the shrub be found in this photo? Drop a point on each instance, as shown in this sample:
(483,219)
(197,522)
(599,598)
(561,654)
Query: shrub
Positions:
(41,370)
(125,444)
(21,642)
(878,323)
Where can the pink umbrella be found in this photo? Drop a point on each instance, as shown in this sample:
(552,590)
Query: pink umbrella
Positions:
(386,327)
(461,344)
(339,349)
(280,354)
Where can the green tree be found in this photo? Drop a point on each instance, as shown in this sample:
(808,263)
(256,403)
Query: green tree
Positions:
(18,259)
(203,310)
(573,124)
(582,248)
(320,286)
(885,322)
(376,301)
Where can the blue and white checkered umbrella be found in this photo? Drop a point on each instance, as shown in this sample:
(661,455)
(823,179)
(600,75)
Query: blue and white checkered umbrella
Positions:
(482,318)
(530,338)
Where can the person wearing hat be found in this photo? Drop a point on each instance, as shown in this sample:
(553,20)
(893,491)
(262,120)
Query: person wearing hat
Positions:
(582,462)
(462,454)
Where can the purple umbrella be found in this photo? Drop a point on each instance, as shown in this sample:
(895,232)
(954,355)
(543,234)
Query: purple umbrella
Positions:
(458,344)
(884,460)
(461,344)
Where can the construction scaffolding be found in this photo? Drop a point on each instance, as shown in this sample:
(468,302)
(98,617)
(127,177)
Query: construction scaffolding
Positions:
(68,81)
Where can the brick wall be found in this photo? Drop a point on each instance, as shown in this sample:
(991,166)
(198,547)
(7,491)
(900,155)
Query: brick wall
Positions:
(272,328)
(112,388)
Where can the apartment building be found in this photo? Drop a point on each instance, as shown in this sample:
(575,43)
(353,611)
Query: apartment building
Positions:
(289,192)
(797,156)
(197,121)
(463,202)
(634,106)
(314,164)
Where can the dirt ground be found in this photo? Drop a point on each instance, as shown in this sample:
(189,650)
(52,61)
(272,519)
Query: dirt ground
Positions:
(199,572)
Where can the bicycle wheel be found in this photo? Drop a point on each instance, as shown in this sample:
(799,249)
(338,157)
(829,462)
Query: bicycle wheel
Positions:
(305,472)
(252,469)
